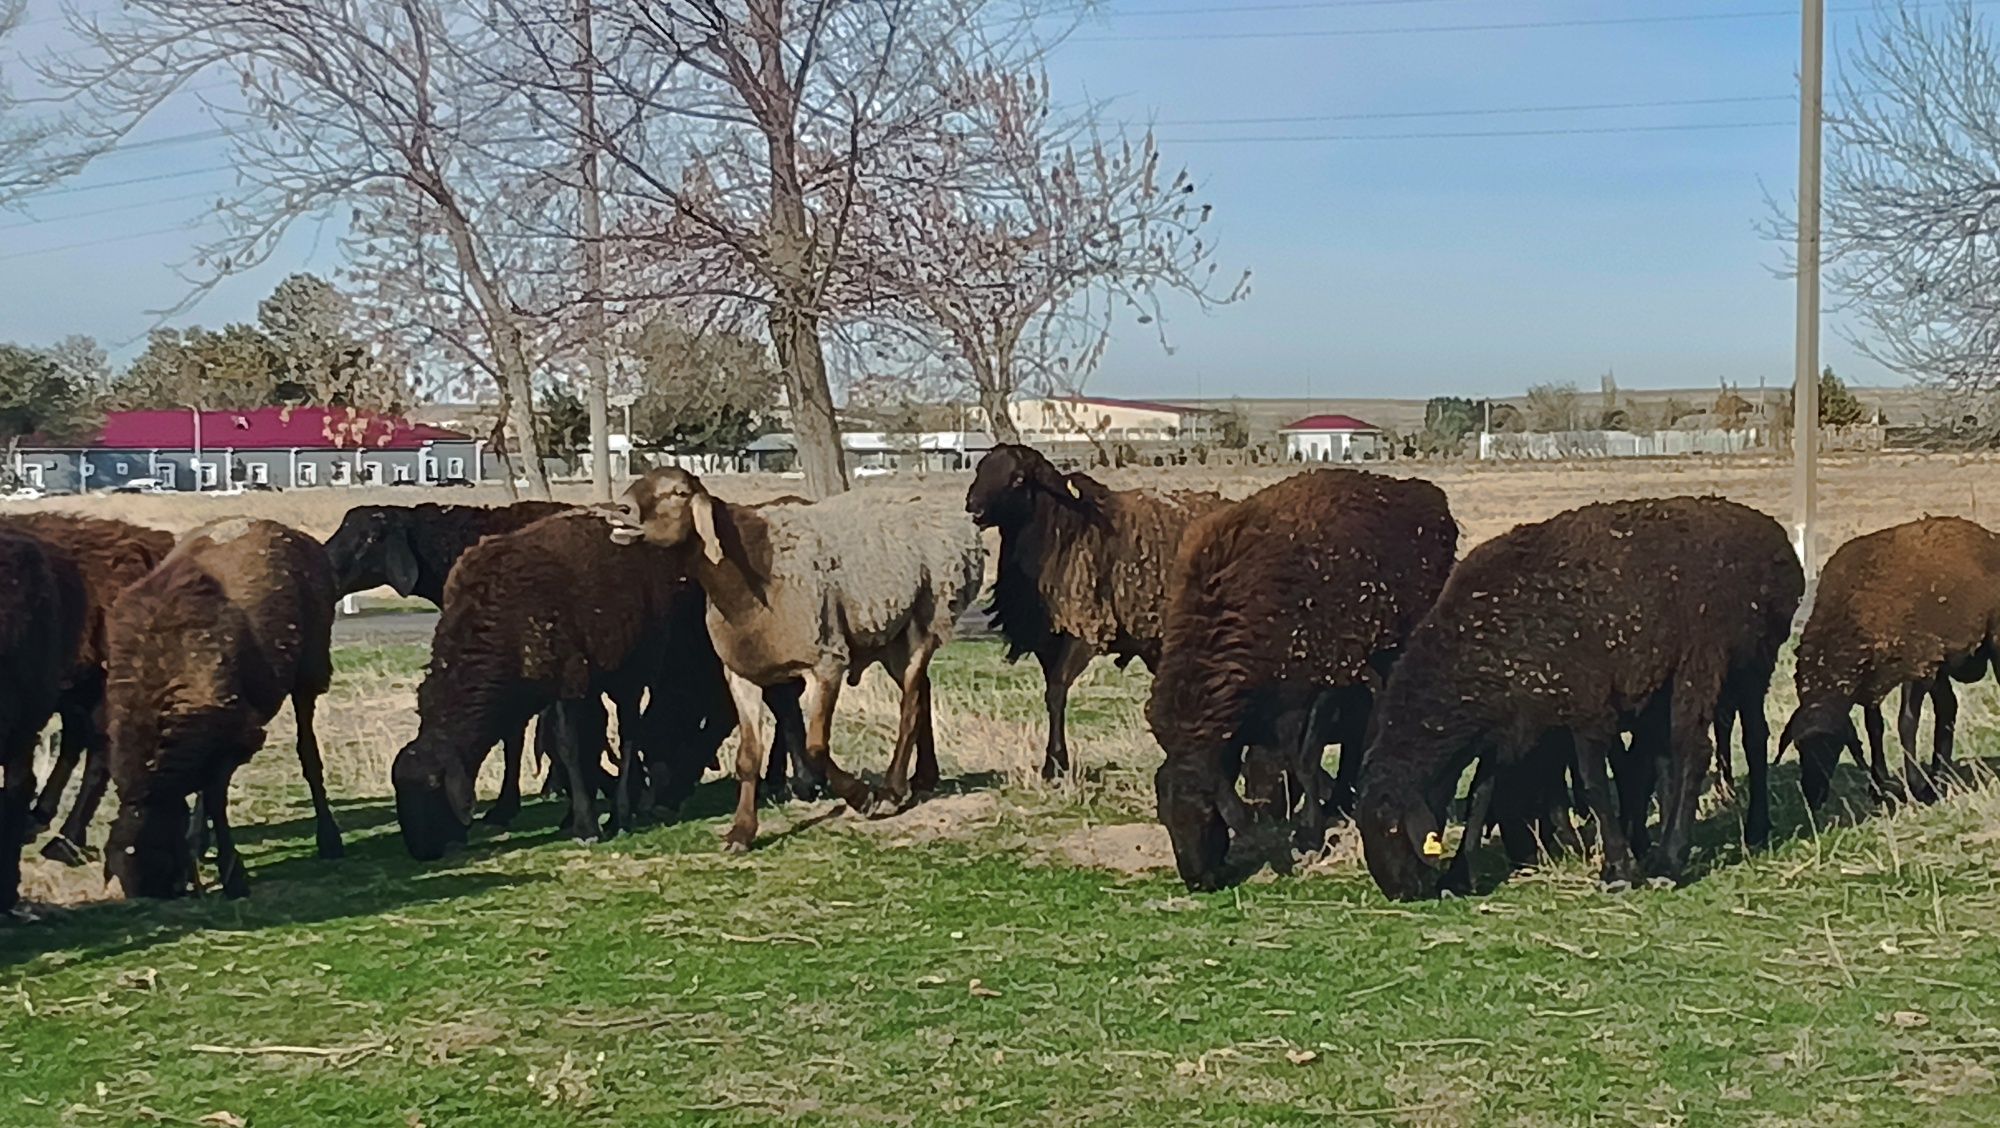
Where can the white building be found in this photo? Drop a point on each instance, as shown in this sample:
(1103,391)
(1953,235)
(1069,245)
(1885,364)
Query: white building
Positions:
(1332,438)
(1043,422)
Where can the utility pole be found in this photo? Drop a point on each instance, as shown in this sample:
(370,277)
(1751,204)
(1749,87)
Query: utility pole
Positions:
(596,364)
(1805,390)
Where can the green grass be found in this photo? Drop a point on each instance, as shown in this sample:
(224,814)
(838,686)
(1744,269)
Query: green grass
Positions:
(834,977)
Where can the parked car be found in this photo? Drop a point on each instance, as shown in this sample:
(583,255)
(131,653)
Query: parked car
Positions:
(463,482)
(25,493)
(141,486)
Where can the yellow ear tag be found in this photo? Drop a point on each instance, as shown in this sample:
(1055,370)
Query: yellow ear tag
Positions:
(1433,845)
(1073,491)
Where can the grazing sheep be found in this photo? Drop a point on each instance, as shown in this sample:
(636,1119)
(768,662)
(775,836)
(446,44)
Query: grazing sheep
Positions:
(110,556)
(1915,606)
(1285,612)
(42,601)
(1083,570)
(202,652)
(821,592)
(556,614)
(412,548)
(1578,625)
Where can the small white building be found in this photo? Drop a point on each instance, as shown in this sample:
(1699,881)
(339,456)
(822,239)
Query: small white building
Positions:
(1332,438)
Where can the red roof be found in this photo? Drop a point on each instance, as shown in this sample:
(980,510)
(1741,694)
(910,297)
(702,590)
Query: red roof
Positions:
(1136,405)
(1329,423)
(267,428)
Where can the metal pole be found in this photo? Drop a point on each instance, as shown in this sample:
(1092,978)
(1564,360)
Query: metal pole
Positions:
(596,363)
(1805,393)
(195,413)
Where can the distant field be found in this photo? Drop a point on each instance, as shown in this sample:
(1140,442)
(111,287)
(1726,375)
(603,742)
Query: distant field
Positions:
(1012,953)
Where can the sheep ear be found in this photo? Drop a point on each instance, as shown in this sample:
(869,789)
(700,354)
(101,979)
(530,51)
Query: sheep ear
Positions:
(704,527)
(399,562)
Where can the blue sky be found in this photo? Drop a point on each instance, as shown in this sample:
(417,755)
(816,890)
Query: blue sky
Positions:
(1393,266)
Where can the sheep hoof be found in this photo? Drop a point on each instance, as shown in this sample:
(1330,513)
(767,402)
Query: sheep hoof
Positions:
(332,849)
(37,826)
(1614,885)
(60,849)
(1658,882)
(731,844)
(498,818)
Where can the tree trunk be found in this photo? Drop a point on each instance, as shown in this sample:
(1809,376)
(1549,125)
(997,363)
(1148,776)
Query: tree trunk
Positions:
(795,333)
(993,401)
(595,343)
(510,357)
(795,306)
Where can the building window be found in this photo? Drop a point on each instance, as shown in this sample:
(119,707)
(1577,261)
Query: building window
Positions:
(343,473)
(207,472)
(124,467)
(454,467)
(260,474)
(166,474)
(308,474)
(402,473)
(372,474)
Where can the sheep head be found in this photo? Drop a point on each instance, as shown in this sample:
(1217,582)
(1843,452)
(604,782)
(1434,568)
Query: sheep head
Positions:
(1822,730)
(1401,839)
(433,802)
(147,853)
(669,508)
(1185,793)
(1006,484)
(372,548)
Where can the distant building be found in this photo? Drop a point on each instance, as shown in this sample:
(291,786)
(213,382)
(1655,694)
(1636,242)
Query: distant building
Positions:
(1043,422)
(877,452)
(284,447)
(1332,438)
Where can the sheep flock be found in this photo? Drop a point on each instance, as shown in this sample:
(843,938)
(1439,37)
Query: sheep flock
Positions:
(1575,684)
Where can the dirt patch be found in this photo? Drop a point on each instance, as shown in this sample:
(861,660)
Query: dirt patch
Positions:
(58,886)
(947,818)
(1130,848)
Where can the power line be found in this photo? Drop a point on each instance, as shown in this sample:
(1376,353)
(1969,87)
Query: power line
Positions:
(1484,111)
(152,178)
(140,205)
(1474,133)
(128,238)
(1521,25)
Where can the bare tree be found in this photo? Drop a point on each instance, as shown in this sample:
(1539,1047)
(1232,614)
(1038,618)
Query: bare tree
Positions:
(388,107)
(1912,204)
(24,162)
(1027,232)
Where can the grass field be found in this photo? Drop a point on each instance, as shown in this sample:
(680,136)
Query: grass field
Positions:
(1011,953)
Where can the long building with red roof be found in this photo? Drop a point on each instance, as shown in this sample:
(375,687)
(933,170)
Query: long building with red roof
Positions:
(257,448)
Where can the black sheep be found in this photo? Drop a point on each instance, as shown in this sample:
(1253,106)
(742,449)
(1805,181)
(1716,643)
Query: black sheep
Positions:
(556,614)
(41,628)
(412,548)
(202,653)
(1285,612)
(1083,570)
(1574,627)
(1911,607)
(109,556)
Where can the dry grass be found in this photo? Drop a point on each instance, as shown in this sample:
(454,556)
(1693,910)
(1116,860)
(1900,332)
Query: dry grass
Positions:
(1859,493)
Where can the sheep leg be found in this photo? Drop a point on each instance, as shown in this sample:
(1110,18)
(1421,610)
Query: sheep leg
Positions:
(822,694)
(914,678)
(1944,728)
(788,745)
(749,746)
(1621,869)
(1688,735)
(1756,752)
(1915,783)
(508,805)
(229,871)
(547,736)
(925,780)
(68,751)
(580,766)
(623,801)
(325,830)
(1063,659)
(1725,766)
(1308,757)
(1353,738)
(1878,756)
(1458,877)
(1638,777)
(71,846)
(17,794)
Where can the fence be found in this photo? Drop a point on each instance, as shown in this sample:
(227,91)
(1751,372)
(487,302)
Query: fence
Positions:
(1557,445)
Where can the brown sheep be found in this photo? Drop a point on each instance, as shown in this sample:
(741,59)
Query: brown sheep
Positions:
(202,653)
(819,592)
(555,614)
(1285,612)
(110,556)
(1578,625)
(1915,606)
(1083,570)
(42,605)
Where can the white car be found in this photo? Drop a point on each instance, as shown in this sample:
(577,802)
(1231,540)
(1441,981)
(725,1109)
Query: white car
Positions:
(25,493)
(872,471)
(142,486)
